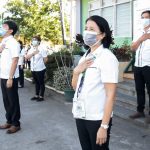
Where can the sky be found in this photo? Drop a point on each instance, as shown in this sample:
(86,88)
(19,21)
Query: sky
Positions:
(2,3)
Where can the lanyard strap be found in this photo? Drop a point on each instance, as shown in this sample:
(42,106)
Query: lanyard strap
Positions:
(82,78)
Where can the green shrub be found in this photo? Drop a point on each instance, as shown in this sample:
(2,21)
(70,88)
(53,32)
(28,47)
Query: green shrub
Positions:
(62,79)
(28,73)
(54,60)
(76,50)
(123,53)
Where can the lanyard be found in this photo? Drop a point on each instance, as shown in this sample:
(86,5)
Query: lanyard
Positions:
(82,78)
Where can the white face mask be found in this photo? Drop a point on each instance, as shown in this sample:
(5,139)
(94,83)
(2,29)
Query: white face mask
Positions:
(145,22)
(89,38)
(2,31)
(35,42)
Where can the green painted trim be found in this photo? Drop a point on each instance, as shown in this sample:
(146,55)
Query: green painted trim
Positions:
(120,40)
(84,12)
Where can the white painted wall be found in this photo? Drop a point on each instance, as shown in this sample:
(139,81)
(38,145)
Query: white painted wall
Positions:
(75,19)
(139,7)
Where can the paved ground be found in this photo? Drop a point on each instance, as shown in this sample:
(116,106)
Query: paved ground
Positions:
(49,125)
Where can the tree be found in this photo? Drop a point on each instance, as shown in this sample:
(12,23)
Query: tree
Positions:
(37,18)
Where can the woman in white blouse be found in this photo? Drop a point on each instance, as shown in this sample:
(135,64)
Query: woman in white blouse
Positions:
(94,80)
(38,56)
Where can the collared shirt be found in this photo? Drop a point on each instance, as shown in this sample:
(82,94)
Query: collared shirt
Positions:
(21,57)
(142,57)
(37,61)
(103,70)
(10,51)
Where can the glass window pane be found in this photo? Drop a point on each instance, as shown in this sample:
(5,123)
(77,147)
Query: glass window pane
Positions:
(107,13)
(107,2)
(94,12)
(123,27)
(94,5)
(122,1)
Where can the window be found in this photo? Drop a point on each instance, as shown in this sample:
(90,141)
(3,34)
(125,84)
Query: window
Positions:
(107,13)
(107,2)
(122,1)
(116,12)
(94,5)
(94,12)
(123,24)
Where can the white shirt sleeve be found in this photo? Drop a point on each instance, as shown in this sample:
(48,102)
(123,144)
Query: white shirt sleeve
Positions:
(30,51)
(44,53)
(14,49)
(137,36)
(22,52)
(109,69)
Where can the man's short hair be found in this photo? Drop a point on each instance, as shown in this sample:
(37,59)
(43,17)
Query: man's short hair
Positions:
(37,37)
(12,26)
(146,11)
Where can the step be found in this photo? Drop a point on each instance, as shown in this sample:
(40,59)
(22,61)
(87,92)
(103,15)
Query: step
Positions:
(124,113)
(128,76)
(127,88)
(129,80)
(126,101)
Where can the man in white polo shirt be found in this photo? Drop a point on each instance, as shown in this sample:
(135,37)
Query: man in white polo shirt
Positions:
(141,44)
(9,76)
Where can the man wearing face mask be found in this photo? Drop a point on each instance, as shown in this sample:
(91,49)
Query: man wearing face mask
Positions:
(38,56)
(141,44)
(9,74)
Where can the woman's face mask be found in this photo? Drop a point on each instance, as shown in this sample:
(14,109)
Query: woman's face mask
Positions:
(2,31)
(35,42)
(145,22)
(89,38)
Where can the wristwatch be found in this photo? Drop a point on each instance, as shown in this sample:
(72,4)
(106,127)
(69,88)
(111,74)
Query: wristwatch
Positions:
(105,126)
(10,78)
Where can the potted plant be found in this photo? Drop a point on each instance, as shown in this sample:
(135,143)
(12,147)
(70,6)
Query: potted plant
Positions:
(62,81)
(62,76)
(77,52)
(124,55)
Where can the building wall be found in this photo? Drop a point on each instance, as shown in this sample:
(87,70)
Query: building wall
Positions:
(78,16)
(118,13)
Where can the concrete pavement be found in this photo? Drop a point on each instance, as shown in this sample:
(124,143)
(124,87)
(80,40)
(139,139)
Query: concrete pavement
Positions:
(49,125)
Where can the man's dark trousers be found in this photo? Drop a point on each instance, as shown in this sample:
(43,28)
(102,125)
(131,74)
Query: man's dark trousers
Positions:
(11,102)
(142,78)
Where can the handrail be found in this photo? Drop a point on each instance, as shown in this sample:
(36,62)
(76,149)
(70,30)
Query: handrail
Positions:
(130,65)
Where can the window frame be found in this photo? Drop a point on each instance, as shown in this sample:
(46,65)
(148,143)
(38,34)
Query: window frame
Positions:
(114,22)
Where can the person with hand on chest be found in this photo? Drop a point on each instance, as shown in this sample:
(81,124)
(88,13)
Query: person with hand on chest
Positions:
(38,56)
(141,45)
(94,81)
(9,74)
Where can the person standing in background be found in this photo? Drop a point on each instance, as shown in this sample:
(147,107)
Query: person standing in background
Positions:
(21,65)
(38,56)
(27,61)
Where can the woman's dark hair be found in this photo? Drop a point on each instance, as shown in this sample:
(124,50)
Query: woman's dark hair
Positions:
(104,28)
(12,26)
(21,44)
(37,37)
(146,11)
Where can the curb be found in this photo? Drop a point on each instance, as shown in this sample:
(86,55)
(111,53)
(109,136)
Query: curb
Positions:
(47,86)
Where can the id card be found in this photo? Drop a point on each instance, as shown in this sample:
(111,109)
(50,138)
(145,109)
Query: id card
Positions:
(79,108)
